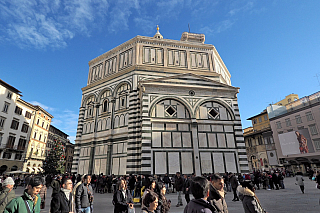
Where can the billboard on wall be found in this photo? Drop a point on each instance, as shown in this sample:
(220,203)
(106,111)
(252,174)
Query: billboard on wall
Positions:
(296,142)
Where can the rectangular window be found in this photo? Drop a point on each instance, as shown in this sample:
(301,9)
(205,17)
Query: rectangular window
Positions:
(1,136)
(260,120)
(38,121)
(18,110)
(18,156)
(7,155)
(313,129)
(266,117)
(25,128)
(9,95)
(10,142)
(298,119)
(309,116)
(278,125)
(22,144)
(317,143)
(28,115)
(254,121)
(35,135)
(5,107)
(288,122)
(14,124)
(2,120)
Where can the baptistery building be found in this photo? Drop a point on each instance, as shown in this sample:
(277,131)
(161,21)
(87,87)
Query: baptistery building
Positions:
(156,106)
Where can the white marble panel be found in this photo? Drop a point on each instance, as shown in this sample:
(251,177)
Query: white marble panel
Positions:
(101,150)
(212,140)
(205,60)
(183,58)
(174,162)
(97,150)
(199,60)
(204,128)
(193,60)
(176,139)
(230,141)
(186,139)
(115,148)
(130,57)
(125,147)
(170,57)
(221,140)
(123,166)
(206,162)
(187,162)
(218,162)
(146,55)
(86,167)
(223,114)
(156,139)
(160,163)
(181,113)
(183,127)
(80,167)
(157,126)
(203,112)
(166,139)
(228,128)
(108,123)
(97,166)
(159,110)
(202,139)
(103,166)
(230,162)
(176,58)
(115,166)
(171,127)
(217,128)
(120,148)
(159,56)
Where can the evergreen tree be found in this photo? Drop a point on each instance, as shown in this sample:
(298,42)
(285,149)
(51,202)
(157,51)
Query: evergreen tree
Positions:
(55,160)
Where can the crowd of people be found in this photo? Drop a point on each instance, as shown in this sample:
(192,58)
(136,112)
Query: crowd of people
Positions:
(75,193)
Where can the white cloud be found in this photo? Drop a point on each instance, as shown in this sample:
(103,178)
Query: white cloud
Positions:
(47,108)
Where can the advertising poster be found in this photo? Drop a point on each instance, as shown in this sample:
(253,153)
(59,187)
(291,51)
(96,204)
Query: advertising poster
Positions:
(296,142)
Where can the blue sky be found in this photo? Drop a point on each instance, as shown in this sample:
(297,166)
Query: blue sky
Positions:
(271,48)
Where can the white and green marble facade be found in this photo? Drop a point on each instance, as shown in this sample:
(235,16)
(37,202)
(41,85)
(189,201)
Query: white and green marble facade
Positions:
(155,106)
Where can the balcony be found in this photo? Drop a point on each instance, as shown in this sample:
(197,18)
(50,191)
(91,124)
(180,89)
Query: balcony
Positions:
(19,148)
(37,157)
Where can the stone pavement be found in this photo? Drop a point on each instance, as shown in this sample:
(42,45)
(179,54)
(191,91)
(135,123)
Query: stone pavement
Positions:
(285,200)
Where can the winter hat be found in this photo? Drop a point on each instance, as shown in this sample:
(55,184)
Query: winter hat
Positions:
(8,181)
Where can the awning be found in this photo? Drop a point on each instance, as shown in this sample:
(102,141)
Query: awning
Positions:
(35,169)
(40,169)
(30,169)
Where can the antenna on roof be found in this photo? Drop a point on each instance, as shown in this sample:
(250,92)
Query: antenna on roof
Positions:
(189,27)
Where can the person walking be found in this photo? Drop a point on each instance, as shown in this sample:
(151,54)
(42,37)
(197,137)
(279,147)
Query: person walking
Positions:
(43,195)
(56,184)
(250,201)
(84,196)
(163,204)
(63,201)
(122,199)
(234,185)
(178,183)
(186,188)
(7,194)
(300,182)
(217,194)
(29,201)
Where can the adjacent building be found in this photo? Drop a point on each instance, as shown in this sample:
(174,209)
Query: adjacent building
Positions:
(156,106)
(296,132)
(37,144)
(69,156)
(16,118)
(260,146)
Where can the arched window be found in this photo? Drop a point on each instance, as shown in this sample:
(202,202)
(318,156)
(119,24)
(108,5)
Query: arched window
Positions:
(213,110)
(170,108)
(105,106)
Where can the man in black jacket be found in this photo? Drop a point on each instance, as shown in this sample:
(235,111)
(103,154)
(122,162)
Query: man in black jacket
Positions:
(178,184)
(186,188)
(62,202)
(200,191)
(84,196)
